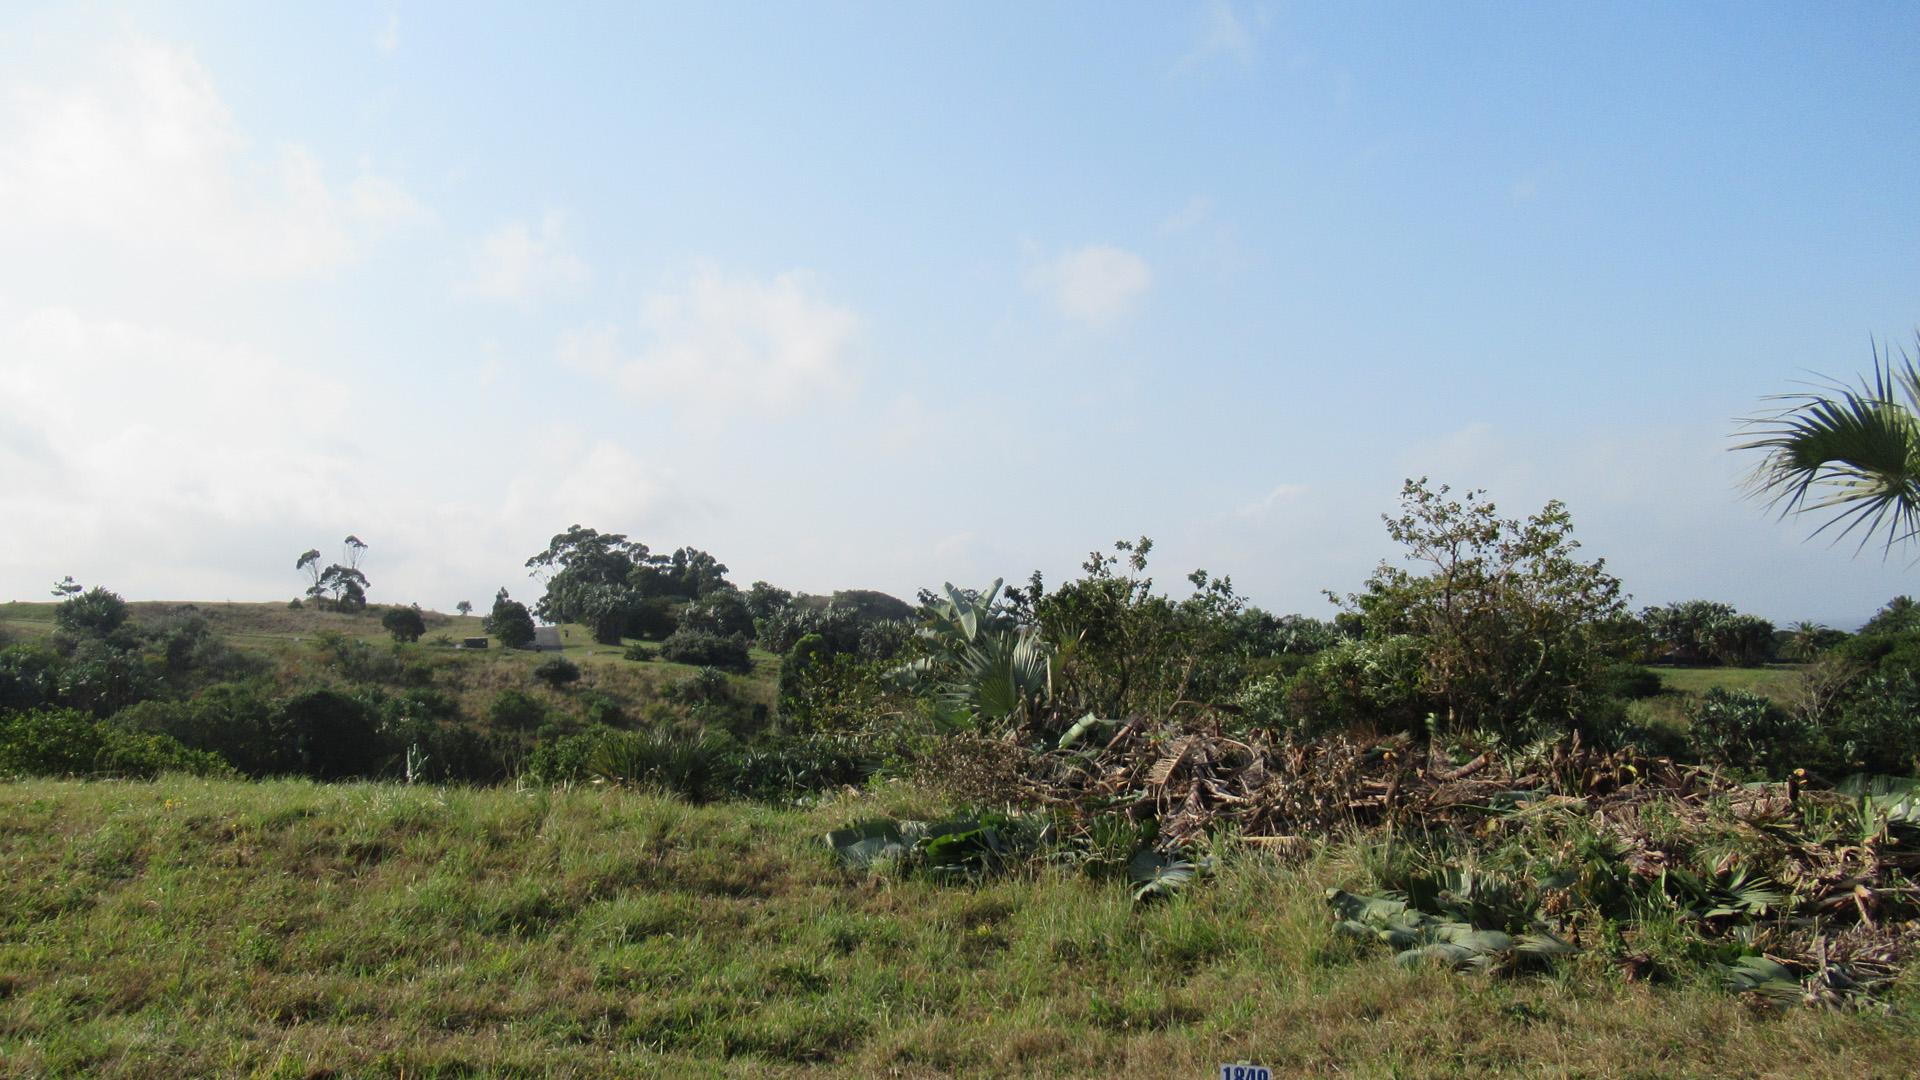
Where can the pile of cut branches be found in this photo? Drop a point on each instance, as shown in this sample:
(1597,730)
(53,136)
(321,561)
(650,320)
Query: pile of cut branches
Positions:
(1803,892)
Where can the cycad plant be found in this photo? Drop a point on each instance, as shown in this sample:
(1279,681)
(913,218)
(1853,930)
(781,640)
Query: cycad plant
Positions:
(1853,451)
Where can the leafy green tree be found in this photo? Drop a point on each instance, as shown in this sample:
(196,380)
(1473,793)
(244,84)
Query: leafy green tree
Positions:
(1899,615)
(1851,452)
(687,574)
(1807,640)
(1121,648)
(464,607)
(510,621)
(1706,632)
(586,573)
(1506,617)
(340,586)
(763,600)
(404,623)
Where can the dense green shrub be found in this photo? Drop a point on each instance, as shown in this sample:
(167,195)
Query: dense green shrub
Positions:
(514,711)
(654,618)
(1625,679)
(94,613)
(778,769)
(701,768)
(600,708)
(510,621)
(103,677)
(404,623)
(1746,730)
(568,758)
(1509,623)
(1878,728)
(29,677)
(1376,683)
(332,736)
(68,742)
(234,720)
(557,671)
(696,768)
(707,649)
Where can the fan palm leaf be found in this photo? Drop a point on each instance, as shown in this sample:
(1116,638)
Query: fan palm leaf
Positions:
(1851,450)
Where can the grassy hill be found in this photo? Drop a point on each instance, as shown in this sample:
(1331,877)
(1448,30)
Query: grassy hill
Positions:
(287,638)
(287,929)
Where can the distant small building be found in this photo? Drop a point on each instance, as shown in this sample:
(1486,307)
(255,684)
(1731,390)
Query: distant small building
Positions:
(473,643)
(546,638)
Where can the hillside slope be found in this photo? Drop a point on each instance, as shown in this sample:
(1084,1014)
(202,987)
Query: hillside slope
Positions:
(288,929)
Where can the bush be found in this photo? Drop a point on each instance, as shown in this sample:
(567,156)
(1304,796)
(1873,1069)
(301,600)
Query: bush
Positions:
(1743,729)
(1623,679)
(68,742)
(94,613)
(598,708)
(653,618)
(1372,683)
(706,649)
(29,677)
(778,770)
(514,711)
(233,720)
(333,736)
(637,651)
(404,623)
(103,678)
(557,672)
(694,768)
(1878,730)
(510,621)
(568,758)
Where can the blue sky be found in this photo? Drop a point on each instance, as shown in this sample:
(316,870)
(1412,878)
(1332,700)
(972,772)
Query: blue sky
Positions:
(880,295)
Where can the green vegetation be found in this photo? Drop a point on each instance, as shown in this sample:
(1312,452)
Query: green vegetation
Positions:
(1079,828)
(190,927)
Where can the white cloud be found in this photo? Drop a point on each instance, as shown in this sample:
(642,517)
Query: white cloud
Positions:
(131,158)
(150,440)
(1197,210)
(724,342)
(1096,285)
(388,39)
(521,263)
(1223,35)
(1281,495)
(378,199)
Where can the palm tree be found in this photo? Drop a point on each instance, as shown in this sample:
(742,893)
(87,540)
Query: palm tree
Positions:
(1851,450)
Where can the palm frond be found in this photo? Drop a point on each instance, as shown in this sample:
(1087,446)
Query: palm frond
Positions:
(1853,450)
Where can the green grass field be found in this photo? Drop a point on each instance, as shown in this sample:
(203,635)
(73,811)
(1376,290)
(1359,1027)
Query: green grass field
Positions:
(1774,680)
(287,929)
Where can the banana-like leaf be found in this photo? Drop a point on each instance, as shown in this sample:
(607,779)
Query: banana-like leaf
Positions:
(1759,975)
(861,845)
(1155,874)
